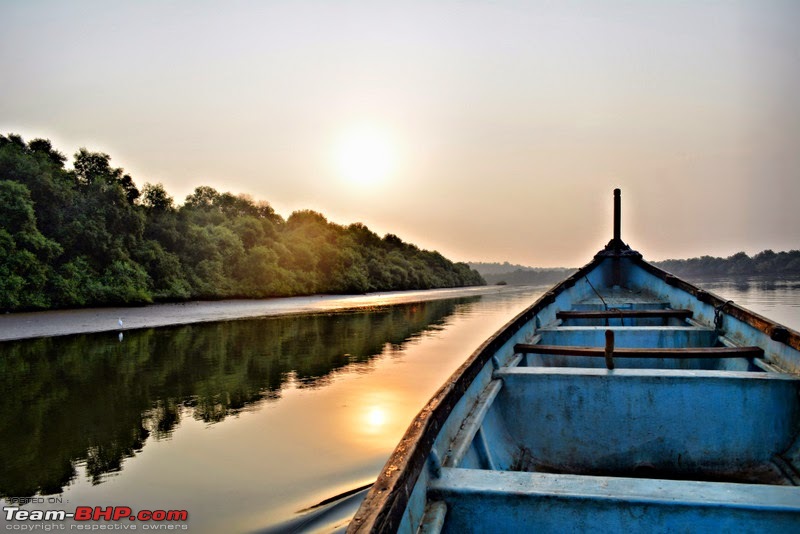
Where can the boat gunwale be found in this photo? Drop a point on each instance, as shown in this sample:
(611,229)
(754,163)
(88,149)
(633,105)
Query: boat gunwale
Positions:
(385,504)
(775,331)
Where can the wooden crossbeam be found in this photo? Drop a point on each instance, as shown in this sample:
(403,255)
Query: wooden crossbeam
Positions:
(682,353)
(634,314)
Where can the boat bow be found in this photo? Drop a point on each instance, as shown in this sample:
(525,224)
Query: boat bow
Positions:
(624,399)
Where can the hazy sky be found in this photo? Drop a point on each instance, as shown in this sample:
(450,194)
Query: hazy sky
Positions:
(488,131)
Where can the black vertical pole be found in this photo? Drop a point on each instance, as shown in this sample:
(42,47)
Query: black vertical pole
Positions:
(615,267)
(617,215)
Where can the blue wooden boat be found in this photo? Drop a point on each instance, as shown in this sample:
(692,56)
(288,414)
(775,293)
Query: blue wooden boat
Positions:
(623,400)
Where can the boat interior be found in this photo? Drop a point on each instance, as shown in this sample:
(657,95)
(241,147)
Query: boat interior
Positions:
(622,404)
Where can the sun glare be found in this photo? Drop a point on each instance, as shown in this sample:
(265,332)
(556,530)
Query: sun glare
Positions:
(365,157)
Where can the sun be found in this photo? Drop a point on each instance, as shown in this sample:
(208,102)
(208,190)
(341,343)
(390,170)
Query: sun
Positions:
(365,156)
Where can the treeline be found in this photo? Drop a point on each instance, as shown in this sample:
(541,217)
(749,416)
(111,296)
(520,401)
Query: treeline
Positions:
(499,268)
(518,275)
(766,262)
(88,236)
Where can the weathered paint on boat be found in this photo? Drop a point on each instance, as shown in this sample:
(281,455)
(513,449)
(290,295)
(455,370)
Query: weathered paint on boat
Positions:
(624,399)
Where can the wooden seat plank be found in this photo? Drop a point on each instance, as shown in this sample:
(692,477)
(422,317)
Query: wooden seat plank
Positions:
(632,314)
(599,352)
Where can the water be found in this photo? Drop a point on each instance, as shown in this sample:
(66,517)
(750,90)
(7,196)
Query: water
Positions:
(246,423)
(776,299)
(241,423)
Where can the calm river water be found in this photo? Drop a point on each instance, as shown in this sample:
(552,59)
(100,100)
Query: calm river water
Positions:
(248,424)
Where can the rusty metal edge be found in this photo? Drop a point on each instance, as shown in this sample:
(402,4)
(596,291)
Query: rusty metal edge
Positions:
(775,331)
(384,505)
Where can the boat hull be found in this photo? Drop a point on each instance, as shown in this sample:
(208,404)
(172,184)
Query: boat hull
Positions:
(624,398)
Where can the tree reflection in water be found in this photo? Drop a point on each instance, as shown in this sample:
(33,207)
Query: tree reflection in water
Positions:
(92,399)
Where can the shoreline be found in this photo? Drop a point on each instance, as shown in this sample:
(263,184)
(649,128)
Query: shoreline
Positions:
(54,323)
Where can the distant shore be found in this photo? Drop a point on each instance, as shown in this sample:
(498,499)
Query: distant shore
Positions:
(14,326)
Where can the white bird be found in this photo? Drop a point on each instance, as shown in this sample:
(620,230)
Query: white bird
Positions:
(120,322)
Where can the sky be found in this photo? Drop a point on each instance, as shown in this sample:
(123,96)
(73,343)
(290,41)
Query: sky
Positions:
(489,131)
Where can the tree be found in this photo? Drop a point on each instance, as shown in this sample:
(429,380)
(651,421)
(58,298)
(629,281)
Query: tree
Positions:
(24,251)
(203,197)
(44,147)
(155,197)
(91,167)
(95,167)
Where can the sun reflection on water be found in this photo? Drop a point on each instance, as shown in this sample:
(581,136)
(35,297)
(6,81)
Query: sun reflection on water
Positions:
(376,418)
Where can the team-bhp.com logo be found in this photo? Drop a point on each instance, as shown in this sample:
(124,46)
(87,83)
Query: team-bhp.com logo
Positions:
(96,514)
